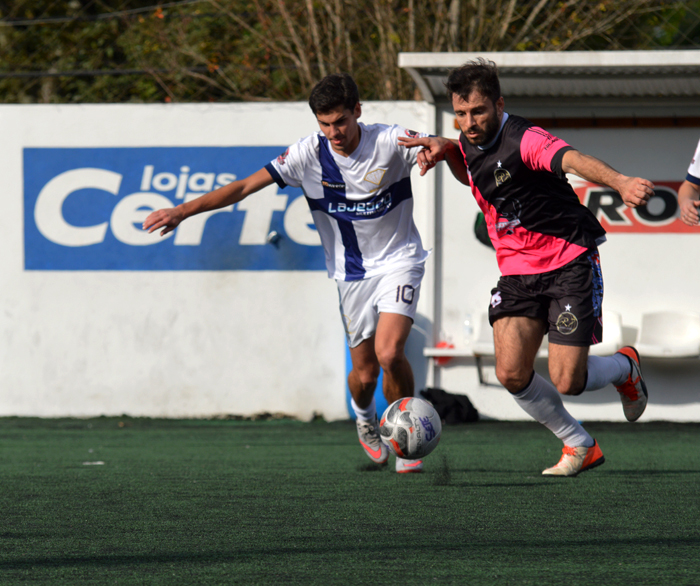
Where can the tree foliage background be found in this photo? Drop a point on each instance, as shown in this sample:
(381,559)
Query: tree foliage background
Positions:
(59,51)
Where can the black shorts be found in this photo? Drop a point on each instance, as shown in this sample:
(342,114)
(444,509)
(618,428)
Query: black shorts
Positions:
(569,299)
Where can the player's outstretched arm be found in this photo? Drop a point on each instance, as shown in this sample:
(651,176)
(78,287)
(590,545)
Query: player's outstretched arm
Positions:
(635,191)
(689,202)
(169,218)
(436,149)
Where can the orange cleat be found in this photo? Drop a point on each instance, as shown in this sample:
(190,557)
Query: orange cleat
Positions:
(575,460)
(633,392)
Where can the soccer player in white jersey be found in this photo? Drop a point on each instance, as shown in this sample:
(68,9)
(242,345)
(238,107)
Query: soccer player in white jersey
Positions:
(689,192)
(356,179)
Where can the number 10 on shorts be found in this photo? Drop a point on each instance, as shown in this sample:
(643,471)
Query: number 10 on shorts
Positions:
(405,293)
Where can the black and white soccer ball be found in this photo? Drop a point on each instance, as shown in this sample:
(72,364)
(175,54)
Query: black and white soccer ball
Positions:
(411,428)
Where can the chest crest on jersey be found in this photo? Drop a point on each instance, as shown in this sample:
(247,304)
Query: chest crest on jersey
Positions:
(375,177)
(501,174)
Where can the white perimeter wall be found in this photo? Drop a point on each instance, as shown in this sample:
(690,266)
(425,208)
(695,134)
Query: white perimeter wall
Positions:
(642,272)
(169,343)
(184,343)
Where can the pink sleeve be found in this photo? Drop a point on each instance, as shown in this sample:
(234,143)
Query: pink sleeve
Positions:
(538,147)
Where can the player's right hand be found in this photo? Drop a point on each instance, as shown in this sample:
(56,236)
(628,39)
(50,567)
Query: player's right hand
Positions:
(636,191)
(434,149)
(423,163)
(168,219)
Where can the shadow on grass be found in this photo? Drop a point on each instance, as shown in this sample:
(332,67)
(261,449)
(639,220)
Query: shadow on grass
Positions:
(371,467)
(649,472)
(496,484)
(442,472)
(245,556)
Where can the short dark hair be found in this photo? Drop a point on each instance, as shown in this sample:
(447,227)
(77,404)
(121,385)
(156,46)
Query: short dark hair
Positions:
(480,75)
(337,89)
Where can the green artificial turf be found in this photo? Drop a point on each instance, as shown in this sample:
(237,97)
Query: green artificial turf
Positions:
(285,502)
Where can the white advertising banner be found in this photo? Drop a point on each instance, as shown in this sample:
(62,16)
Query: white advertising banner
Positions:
(230,314)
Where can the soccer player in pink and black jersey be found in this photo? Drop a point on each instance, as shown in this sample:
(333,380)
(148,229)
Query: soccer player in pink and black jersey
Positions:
(546,245)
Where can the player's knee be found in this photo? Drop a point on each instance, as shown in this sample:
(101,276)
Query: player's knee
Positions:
(569,386)
(366,375)
(369,379)
(512,379)
(390,358)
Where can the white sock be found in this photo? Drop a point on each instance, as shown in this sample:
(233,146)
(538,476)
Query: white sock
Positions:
(365,414)
(541,401)
(603,370)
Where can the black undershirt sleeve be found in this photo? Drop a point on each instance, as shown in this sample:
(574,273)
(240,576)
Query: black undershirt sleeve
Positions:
(557,161)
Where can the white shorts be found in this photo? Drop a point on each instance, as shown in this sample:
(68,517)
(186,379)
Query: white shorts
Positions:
(362,301)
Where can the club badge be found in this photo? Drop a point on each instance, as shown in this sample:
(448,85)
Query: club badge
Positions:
(375,177)
(346,324)
(567,322)
(501,175)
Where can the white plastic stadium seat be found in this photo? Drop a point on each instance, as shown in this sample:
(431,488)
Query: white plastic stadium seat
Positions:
(669,334)
(483,343)
(612,335)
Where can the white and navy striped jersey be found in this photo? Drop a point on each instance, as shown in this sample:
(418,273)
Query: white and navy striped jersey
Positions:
(362,205)
(694,168)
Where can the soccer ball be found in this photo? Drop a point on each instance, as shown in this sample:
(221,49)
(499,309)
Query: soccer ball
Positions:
(411,428)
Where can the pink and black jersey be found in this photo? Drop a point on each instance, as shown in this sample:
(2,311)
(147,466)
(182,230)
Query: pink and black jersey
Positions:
(535,220)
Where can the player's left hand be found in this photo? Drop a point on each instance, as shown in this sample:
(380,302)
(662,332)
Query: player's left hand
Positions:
(690,212)
(636,191)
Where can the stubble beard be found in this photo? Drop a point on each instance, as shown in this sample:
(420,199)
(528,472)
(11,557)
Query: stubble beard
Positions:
(490,132)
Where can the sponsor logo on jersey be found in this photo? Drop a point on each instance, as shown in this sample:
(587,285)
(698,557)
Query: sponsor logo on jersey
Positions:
(550,141)
(507,224)
(329,185)
(369,208)
(283,157)
(411,133)
(509,210)
(84,209)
